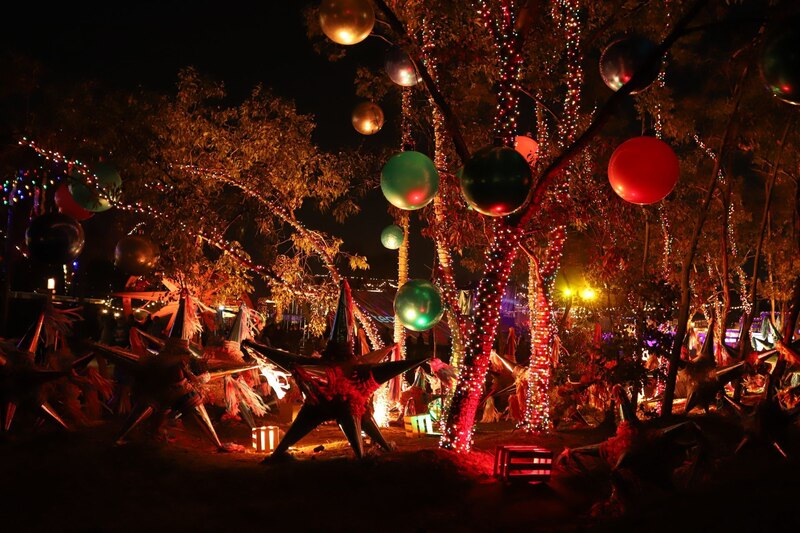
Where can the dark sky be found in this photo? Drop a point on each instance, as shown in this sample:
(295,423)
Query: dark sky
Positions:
(240,43)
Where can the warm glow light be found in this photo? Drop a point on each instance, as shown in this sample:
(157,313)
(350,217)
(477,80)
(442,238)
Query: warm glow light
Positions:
(51,284)
(567,291)
(588,293)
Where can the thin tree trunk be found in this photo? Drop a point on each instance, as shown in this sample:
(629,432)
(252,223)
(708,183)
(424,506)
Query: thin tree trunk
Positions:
(688,261)
(748,319)
(399,330)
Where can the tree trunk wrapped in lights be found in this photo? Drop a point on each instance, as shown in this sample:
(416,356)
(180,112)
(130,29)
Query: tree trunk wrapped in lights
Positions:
(399,330)
(541,280)
(500,257)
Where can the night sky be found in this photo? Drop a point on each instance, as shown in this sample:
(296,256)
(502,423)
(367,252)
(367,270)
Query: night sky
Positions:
(144,44)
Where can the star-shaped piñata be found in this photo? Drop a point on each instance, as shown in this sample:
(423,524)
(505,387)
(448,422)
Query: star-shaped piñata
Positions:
(165,383)
(22,380)
(337,386)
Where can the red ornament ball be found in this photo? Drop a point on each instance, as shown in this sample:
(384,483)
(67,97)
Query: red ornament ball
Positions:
(67,204)
(643,170)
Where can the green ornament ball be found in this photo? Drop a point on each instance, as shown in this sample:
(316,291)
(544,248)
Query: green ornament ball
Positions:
(392,237)
(409,180)
(109,182)
(780,63)
(418,305)
(496,181)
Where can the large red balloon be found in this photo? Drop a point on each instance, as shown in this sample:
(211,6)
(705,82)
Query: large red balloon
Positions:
(67,204)
(643,170)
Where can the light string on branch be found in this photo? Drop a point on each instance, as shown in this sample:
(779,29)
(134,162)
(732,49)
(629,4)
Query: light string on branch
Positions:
(507,43)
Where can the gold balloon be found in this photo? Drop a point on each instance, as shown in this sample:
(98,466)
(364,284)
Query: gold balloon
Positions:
(346,21)
(367,118)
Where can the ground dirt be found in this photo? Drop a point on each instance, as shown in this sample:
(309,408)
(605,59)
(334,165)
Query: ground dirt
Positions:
(53,480)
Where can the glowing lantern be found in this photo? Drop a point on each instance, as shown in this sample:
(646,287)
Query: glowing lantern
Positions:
(401,68)
(418,305)
(392,237)
(625,57)
(367,118)
(588,293)
(346,21)
(496,181)
(643,170)
(266,438)
(527,147)
(520,463)
(409,180)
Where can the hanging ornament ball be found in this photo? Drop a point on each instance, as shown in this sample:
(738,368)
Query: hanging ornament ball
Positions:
(780,64)
(67,204)
(527,147)
(54,238)
(409,180)
(625,57)
(135,255)
(643,170)
(346,21)
(418,305)
(109,184)
(401,68)
(496,181)
(367,118)
(392,237)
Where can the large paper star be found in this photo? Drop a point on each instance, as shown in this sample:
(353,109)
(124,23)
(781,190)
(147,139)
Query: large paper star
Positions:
(337,386)
(22,380)
(165,383)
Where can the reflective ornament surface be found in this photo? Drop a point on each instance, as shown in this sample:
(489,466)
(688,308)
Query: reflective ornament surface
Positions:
(780,64)
(54,238)
(643,170)
(392,237)
(367,118)
(409,180)
(496,181)
(109,186)
(626,56)
(346,21)
(135,255)
(400,68)
(418,305)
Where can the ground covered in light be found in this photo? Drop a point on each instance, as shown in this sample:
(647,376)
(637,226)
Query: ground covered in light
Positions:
(58,481)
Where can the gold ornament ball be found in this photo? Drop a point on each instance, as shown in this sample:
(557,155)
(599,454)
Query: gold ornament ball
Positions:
(367,118)
(346,21)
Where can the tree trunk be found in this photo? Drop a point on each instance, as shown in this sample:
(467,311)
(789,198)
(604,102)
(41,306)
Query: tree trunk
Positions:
(688,260)
(500,257)
(770,186)
(399,330)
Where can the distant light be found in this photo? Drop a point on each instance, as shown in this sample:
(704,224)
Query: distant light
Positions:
(116,315)
(588,293)
(567,291)
(51,284)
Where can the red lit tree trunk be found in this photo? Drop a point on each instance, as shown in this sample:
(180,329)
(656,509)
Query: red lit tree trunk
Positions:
(467,395)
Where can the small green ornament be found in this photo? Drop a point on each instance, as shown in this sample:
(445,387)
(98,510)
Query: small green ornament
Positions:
(392,237)
(109,182)
(409,180)
(418,305)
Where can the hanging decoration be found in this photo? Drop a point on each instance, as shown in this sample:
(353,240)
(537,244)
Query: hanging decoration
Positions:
(392,237)
(400,68)
(409,180)
(418,305)
(346,21)
(135,255)
(496,181)
(527,148)
(643,170)
(99,199)
(624,58)
(780,64)
(68,206)
(54,238)
(367,118)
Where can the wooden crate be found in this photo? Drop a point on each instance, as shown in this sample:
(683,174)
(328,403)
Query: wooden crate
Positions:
(526,464)
(418,425)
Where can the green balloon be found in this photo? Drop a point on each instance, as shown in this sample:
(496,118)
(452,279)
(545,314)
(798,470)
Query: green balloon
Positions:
(109,182)
(418,305)
(496,181)
(392,236)
(409,180)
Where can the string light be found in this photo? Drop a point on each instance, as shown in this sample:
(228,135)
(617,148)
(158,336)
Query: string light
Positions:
(500,255)
(541,282)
